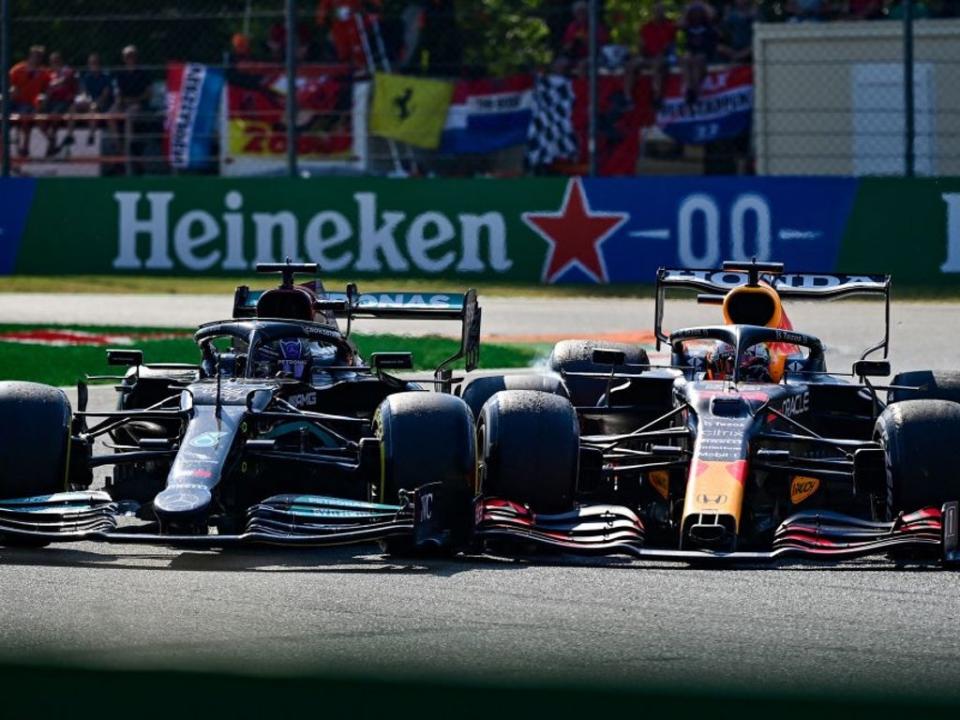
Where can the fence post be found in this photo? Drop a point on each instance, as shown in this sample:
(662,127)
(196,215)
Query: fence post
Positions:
(291,24)
(592,101)
(908,90)
(5,35)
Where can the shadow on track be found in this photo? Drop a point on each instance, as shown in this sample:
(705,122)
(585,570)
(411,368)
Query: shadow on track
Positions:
(369,559)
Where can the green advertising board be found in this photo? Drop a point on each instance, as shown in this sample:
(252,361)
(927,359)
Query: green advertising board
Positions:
(533,230)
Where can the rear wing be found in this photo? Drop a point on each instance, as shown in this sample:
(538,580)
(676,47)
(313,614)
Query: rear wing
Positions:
(804,285)
(391,305)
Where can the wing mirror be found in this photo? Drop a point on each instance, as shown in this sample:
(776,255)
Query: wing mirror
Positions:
(128,358)
(871,368)
(391,361)
(258,400)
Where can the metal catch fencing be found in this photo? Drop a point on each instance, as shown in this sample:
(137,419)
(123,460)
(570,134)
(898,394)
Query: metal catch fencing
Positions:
(102,87)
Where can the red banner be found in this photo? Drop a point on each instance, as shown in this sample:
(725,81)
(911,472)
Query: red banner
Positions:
(256,111)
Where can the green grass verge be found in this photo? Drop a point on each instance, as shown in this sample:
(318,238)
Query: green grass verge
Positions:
(66,365)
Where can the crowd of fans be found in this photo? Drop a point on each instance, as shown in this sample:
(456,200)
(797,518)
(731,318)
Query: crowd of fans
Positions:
(680,35)
(47,85)
(691,35)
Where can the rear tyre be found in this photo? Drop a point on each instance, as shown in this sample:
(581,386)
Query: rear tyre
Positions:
(932,384)
(477,390)
(34,443)
(426,438)
(921,443)
(577,356)
(530,448)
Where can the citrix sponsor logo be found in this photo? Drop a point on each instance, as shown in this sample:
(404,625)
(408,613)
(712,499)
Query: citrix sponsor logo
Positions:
(367,241)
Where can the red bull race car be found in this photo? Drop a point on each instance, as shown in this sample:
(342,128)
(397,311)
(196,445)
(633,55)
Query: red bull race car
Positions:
(742,447)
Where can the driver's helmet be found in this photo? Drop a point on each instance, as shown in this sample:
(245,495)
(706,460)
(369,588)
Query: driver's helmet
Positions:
(755,363)
(296,358)
(720,361)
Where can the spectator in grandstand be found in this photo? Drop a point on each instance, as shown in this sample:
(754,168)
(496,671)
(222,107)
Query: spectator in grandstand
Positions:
(132,87)
(805,10)
(132,83)
(576,38)
(658,37)
(28,87)
(95,96)
(864,9)
(240,49)
(61,92)
(440,43)
(277,41)
(340,18)
(736,44)
(701,46)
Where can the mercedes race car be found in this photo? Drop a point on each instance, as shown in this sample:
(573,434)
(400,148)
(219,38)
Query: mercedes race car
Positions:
(742,447)
(281,434)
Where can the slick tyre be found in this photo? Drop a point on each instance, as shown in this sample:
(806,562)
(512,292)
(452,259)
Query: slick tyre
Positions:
(921,443)
(425,438)
(34,443)
(530,449)
(577,356)
(478,389)
(931,384)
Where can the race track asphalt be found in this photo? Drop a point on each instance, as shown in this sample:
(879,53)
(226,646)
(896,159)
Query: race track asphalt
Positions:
(866,628)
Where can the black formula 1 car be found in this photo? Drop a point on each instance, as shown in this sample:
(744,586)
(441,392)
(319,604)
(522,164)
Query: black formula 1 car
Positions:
(743,447)
(282,434)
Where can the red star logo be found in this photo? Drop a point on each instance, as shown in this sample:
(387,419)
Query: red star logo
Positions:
(575,234)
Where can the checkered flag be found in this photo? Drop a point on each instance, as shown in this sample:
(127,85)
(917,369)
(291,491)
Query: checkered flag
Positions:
(551,135)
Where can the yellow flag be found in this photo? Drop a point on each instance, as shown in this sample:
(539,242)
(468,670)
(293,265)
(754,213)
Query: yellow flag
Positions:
(410,109)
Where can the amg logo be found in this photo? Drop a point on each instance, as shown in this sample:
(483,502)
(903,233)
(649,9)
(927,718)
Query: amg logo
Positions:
(303,399)
(796,405)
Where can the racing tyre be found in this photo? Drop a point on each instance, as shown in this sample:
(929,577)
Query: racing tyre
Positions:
(477,390)
(932,384)
(530,449)
(34,443)
(577,356)
(921,443)
(427,438)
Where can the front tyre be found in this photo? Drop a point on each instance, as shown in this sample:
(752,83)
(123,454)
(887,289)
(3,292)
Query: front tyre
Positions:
(34,442)
(530,448)
(921,443)
(426,438)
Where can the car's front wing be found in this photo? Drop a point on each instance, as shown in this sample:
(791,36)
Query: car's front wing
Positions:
(427,518)
(298,520)
(614,530)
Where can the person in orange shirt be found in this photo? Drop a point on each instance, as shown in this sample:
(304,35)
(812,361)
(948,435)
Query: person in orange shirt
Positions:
(61,92)
(340,17)
(28,86)
(658,38)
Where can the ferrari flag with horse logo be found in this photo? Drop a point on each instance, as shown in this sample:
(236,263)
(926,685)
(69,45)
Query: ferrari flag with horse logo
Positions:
(410,109)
